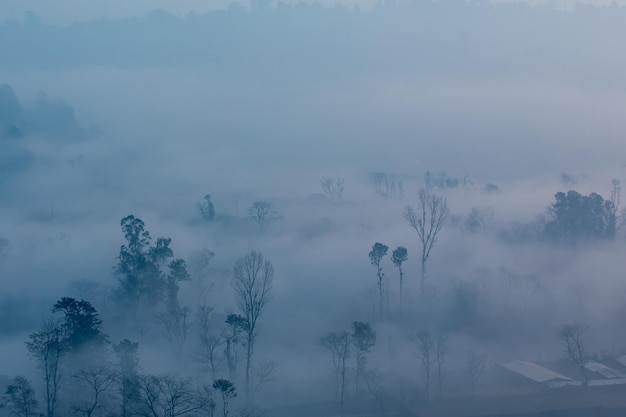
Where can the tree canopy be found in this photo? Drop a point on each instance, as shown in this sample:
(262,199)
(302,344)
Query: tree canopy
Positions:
(140,267)
(576,216)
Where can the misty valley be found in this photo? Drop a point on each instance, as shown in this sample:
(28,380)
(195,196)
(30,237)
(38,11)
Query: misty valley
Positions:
(277,209)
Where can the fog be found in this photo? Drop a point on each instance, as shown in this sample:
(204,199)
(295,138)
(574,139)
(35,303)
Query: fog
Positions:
(144,108)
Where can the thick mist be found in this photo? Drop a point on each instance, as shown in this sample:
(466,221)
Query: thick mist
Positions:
(495,108)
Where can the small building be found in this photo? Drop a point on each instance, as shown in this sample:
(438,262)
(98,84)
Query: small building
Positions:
(537,373)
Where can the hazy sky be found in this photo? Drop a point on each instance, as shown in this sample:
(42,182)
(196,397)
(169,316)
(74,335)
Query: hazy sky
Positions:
(69,11)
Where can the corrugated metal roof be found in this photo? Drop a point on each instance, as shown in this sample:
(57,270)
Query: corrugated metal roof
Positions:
(533,371)
(604,370)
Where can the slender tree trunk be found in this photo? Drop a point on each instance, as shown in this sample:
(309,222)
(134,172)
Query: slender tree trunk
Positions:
(380,295)
(248,364)
(423,272)
(356,376)
(439,379)
(343,384)
(401,296)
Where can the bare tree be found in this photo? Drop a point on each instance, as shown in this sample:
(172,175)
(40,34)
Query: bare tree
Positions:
(333,188)
(263,213)
(168,396)
(176,325)
(441,350)
(252,282)
(19,398)
(572,335)
(48,347)
(425,346)
(375,383)
(252,411)
(398,257)
(98,383)
(263,374)
(376,255)
(427,220)
(207,352)
(339,346)
(206,398)
(476,364)
(619,216)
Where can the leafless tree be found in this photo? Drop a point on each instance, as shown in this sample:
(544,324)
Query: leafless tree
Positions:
(333,188)
(252,282)
(572,335)
(263,213)
(207,352)
(263,374)
(427,220)
(375,383)
(252,411)
(176,324)
(441,350)
(206,398)
(425,346)
(97,384)
(48,347)
(339,346)
(476,364)
(619,216)
(168,396)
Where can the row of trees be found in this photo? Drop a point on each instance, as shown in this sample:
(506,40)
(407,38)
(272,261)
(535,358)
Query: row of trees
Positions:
(340,345)
(398,257)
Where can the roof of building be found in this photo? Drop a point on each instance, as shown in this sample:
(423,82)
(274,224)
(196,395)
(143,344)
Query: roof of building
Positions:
(604,370)
(534,372)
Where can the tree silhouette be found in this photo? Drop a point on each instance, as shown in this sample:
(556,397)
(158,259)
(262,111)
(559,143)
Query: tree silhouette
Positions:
(207,210)
(82,326)
(263,213)
(227,391)
(48,347)
(427,220)
(576,217)
(398,257)
(252,282)
(19,398)
(363,338)
(339,346)
(572,336)
(140,269)
(376,255)
(128,355)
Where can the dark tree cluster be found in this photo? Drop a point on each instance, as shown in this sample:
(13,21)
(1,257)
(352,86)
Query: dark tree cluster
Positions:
(147,272)
(578,217)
